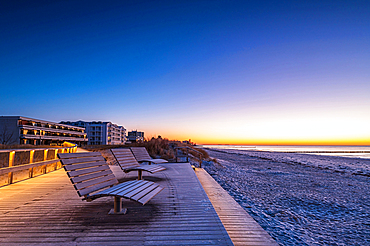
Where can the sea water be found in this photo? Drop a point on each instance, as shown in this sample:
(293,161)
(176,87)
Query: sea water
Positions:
(301,195)
(344,151)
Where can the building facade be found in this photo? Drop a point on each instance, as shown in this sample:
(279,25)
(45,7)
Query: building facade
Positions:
(101,133)
(23,130)
(135,136)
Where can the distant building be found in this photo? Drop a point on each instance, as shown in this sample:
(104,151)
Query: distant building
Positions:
(135,136)
(188,142)
(101,133)
(23,130)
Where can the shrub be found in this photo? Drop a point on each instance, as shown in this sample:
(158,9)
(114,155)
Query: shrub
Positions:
(156,147)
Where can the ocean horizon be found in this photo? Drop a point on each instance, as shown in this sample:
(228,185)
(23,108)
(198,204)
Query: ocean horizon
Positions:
(349,151)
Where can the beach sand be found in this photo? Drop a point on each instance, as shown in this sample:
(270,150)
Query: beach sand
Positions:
(305,202)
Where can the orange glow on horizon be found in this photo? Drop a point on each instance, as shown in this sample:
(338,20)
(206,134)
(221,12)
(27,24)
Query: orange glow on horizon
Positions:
(315,127)
(203,140)
(265,141)
(289,142)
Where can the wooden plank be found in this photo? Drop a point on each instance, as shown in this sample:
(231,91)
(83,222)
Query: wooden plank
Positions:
(90,176)
(84,165)
(77,155)
(127,170)
(91,182)
(86,171)
(150,170)
(97,187)
(141,158)
(121,150)
(155,161)
(139,189)
(123,154)
(144,192)
(118,187)
(153,168)
(133,186)
(150,195)
(127,163)
(159,161)
(82,160)
(129,160)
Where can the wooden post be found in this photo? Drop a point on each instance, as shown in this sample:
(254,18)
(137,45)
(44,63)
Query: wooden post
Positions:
(45,154)
(11,163)
(30,172)
(32,153)
(45,157)
(56,157)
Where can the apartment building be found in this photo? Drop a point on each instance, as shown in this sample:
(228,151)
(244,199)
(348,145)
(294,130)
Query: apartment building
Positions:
(23,130)
(135,136)
(101,133)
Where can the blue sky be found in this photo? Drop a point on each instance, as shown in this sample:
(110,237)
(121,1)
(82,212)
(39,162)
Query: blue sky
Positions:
(212,71)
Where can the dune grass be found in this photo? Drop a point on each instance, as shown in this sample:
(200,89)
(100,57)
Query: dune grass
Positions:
(156,147)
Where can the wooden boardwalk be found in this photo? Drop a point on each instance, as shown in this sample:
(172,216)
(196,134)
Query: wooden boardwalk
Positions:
(46,210)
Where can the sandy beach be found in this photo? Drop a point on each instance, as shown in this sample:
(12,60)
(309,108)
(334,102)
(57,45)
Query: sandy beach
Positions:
(299,199)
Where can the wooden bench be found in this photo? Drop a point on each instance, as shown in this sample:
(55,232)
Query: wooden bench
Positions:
(142,155)
(128,163)
(92,178)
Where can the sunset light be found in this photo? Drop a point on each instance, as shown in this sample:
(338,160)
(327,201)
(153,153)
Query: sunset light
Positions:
(227,72)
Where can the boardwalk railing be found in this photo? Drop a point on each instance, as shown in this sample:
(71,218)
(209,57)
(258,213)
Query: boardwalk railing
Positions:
(187,152)
(21,164)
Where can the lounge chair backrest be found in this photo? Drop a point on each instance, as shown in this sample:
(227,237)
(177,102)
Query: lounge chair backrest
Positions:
(125,158)
(88,171)
(140,153)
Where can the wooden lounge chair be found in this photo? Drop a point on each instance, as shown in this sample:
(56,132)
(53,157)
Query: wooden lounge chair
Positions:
(92,178)
(128,163)
(142,155)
